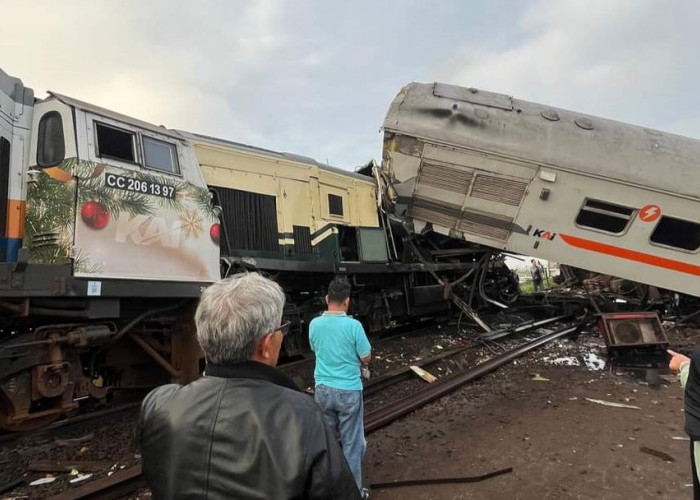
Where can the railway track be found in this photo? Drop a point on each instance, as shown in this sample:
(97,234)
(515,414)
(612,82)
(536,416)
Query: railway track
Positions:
(67,422)
(127,481)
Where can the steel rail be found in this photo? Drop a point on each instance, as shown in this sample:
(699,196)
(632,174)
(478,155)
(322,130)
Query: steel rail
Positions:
(84,417)
(404,373)
(497,334)
(118,485)
(387,414)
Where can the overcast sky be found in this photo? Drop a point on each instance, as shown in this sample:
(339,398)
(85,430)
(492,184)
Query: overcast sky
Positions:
(316,77)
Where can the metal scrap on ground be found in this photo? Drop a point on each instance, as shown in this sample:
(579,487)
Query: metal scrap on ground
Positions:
(613,404)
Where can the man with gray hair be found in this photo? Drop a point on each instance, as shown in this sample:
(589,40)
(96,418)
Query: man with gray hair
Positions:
(244,430)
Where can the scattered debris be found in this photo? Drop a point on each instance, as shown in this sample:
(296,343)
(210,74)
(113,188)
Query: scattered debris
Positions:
(43,480)
(658,454)
(681,438)
(613,404)
(81,477)
(539,378)
(423,374)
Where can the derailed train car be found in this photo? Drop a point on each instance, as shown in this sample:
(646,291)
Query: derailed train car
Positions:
(527,178)
(113,226)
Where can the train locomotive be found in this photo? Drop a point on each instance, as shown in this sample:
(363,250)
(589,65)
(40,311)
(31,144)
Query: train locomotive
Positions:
(111,227)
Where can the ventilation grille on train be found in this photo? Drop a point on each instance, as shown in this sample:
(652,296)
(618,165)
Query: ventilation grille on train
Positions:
(485,224)
(450,179)
(508,191)
(435,212)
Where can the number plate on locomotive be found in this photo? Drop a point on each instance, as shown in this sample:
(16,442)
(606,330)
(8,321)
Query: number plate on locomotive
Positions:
(139,186)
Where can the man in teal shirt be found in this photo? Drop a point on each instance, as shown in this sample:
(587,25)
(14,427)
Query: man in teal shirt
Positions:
(341,346)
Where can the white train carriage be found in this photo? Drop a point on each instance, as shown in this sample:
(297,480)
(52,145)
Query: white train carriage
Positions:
(527,178)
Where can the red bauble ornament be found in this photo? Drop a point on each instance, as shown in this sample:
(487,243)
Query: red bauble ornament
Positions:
(215,233)
(94,215)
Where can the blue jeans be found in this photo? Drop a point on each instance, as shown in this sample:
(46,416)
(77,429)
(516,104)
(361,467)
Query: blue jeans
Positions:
(343,412)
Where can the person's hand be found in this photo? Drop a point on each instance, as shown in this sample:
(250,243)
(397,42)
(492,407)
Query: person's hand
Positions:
(364,370)
(677,361)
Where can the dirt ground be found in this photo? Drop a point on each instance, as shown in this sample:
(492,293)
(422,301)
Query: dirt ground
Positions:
(531,415)
(559,444)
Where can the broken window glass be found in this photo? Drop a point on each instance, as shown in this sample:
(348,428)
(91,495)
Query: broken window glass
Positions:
(114,143)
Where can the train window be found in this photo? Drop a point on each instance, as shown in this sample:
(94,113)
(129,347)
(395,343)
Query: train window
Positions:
(604,216)
(677,233)
(160,155)
(115,143)
(50,149)
(335,205)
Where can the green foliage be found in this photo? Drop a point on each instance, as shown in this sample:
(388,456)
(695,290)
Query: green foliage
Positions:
(52,206)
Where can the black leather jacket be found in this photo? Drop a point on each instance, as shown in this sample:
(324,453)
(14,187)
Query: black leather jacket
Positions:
(243,431)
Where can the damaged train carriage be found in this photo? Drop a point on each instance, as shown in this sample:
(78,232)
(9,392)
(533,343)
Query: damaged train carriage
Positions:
(535,180)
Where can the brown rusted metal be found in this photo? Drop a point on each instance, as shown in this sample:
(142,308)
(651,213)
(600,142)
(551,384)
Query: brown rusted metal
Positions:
(67,466)
(441,480)
(387,414)
(155,355)
(119,484)
(186,355)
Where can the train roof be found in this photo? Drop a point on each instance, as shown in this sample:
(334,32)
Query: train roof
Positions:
(275,154)
(97,110)
(497,123)
(184,135)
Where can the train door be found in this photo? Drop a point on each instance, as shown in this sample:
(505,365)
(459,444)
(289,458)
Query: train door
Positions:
(16,107)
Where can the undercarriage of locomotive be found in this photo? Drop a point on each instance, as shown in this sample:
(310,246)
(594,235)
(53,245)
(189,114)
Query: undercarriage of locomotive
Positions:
(49,367)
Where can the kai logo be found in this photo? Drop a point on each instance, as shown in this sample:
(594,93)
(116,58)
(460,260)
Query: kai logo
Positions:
(545,235)
(145,230)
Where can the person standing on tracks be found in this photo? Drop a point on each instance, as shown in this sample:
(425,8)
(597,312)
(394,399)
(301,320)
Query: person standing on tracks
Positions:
(244,430)
(688,370)
(536,273)
(342,349)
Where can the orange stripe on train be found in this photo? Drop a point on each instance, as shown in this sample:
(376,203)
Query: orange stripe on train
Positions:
(15,218)
(624,253)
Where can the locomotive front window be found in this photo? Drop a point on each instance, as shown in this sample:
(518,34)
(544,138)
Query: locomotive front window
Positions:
(160,155)
(50,149)
(677,233)
(115,143)
(604,216)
